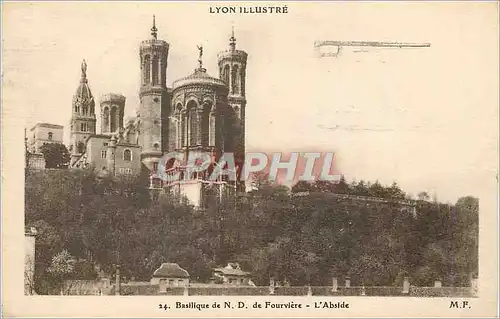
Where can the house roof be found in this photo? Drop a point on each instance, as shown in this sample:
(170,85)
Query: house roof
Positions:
(49,125)
(232,272)
(171,270)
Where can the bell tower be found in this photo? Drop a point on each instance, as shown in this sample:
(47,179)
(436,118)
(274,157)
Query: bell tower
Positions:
(112,112)
(83,119)
(154,99)
(232,70)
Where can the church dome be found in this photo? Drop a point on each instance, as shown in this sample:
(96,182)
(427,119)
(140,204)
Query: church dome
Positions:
(199,77)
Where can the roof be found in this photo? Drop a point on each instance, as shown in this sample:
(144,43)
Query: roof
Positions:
(83,95)
(171,270)
(232,272)
(46,125)
(113,98)
(230,54)
(99,136)
(232,269)
(199,76)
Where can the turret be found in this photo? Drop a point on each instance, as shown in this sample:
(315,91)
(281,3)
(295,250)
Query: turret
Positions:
(154,99)
(232,70)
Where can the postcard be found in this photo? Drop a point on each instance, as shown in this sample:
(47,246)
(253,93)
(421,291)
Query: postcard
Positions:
(250,159)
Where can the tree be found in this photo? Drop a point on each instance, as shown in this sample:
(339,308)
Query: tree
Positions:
(465,240)
(341,187)
(395,192)
(56,155)
(423,196)
(106,221)
(303,186)
(62,266)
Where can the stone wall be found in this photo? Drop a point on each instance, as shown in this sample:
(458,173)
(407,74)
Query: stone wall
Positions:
(298,291)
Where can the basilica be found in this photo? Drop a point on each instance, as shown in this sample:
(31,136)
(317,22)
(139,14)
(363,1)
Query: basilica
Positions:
(198,113)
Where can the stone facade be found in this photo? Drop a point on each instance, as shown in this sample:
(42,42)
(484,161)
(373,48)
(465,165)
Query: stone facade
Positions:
(109,155)
(44,133)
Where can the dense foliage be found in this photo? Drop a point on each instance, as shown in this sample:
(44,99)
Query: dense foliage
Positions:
(300,239)
(56,155)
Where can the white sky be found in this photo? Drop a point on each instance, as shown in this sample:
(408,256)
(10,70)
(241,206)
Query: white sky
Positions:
(426,118)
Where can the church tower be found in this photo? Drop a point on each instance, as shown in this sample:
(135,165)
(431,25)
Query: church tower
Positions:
(154,99)
(112,112)
(83,119)
(232,70)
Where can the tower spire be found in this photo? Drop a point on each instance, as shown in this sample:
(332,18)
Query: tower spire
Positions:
(232,40)
(154,30)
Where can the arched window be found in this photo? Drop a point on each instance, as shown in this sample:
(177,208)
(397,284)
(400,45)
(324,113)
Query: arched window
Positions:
(127,155)
(147,69)
(205,125)
(242,81)
(176,121)
(225,75)
(77,108)
(50,136)
(113,119)
(155,70)
(234,80)
(85,110)
(192,123)
(105,118)
(185,129)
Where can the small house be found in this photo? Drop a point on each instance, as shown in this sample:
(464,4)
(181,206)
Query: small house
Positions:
(170,275)
(233,275)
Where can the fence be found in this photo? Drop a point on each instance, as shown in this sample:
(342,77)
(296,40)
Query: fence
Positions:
(89,287)
(301,291)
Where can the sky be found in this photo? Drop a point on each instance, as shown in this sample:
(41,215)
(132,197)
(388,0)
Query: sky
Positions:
(426,118)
